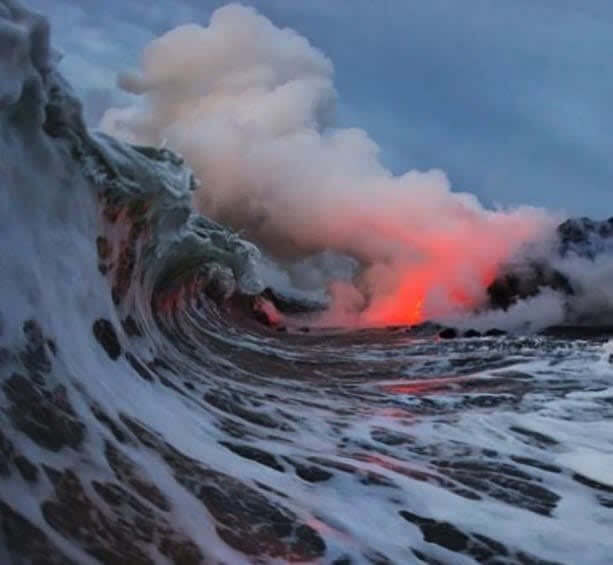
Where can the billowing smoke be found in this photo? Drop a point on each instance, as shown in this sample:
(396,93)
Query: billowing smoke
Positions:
(251,108)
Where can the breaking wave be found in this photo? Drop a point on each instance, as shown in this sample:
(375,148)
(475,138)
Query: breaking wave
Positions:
(165,396)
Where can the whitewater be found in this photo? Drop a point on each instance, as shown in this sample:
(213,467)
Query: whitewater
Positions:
(170,394)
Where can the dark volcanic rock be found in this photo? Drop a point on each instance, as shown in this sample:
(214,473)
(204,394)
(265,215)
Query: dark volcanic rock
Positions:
(472,333)
(448,333)
(580,237)
(425,329)
(585,237)
(524,281)
(579,332)
(494,332)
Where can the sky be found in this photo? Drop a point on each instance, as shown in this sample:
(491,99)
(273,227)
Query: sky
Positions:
(511,98)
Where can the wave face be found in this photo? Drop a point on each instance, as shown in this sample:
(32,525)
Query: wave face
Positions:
(147,416)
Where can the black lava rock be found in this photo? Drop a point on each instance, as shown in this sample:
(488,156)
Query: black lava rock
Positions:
(581,237)
(585,237)
(494,332)
(579,332)
(524,281)
(448,333)
(472,333)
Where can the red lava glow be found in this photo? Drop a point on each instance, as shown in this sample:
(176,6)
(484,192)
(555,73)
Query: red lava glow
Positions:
(449,271)
(423,387)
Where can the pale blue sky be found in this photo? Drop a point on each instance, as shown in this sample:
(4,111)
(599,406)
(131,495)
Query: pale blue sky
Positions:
(512,99)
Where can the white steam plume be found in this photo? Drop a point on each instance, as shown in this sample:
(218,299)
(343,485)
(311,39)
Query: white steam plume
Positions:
(251,107)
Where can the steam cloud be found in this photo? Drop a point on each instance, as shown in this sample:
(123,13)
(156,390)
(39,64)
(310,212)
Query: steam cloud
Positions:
(251,107)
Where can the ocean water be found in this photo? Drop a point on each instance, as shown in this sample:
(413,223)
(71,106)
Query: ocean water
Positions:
(148,416)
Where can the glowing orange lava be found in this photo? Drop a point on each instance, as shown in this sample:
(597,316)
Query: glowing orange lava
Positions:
(448,272)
